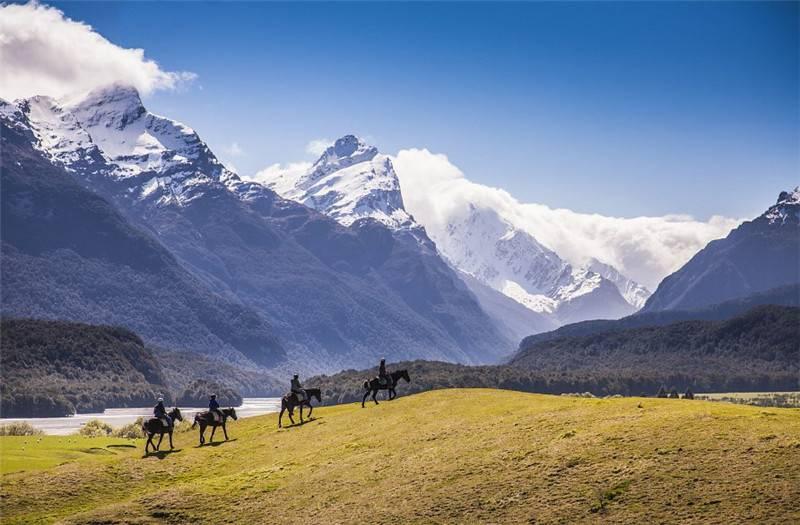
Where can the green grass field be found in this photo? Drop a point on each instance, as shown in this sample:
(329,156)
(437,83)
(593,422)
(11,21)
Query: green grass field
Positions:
(447,456)
(26,453)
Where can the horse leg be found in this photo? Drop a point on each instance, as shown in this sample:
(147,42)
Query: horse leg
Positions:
(213,429)
(391,394)
(366,395)
(170,440)
(291,414)
(160,437)
(310,409)
(280,416)
(375,393)
(301,414)
(202,433)
(147,445)
(225,431)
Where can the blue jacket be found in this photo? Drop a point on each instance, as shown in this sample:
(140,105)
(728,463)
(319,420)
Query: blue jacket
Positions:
(213,405)
(159,410)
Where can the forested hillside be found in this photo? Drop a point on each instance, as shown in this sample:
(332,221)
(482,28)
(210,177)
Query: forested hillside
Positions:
(54,368)
(752,352)
(757,350)
(783,296)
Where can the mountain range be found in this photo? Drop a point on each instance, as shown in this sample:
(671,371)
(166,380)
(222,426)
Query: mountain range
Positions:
(352,181)
(305,291)
(114,215)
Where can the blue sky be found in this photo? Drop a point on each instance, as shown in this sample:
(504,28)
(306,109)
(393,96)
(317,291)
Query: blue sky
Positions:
(623,109)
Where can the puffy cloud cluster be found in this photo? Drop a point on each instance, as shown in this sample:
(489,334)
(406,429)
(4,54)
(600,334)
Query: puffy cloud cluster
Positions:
(42,52)
(278,176)
(645,249)
(317,147)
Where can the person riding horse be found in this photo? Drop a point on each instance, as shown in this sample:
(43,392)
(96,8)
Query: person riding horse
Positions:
(160,412)
(213,407)
(298,390)
(383,377)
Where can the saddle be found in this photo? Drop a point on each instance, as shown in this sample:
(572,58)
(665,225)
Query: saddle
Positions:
(215,416)
(383,381)
(164,422)
(300,396)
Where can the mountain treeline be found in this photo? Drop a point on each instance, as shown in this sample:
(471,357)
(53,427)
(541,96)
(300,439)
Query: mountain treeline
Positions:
(54,368)
(57,368)
(758,350)
(753,352)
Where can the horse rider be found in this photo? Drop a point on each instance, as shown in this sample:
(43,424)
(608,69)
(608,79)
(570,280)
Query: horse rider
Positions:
(213,407)
(383,377)
(160,411)
(297,389)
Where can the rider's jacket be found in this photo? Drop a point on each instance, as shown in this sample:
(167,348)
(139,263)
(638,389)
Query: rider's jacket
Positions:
(382,369)
(213,405)
(296,386)
(159,410)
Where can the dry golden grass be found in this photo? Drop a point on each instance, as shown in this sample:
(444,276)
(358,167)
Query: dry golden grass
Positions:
(453,456)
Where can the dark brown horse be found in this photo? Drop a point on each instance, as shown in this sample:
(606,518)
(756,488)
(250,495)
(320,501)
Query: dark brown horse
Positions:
(289,402)
(206,419)
(372,386)
(154,426)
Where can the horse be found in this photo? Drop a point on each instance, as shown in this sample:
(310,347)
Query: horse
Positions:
(289,402)
(154,426)
(206,419)
(373,385)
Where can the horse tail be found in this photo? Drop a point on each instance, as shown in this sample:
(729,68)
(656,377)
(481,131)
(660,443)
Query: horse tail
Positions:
(366,384)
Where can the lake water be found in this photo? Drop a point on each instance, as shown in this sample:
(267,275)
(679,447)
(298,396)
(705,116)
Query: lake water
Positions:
(117,417)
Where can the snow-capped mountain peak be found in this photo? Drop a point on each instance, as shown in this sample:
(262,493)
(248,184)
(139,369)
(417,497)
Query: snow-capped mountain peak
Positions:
(351,180)
(633,292)
(109,135)
(345,152)
(786,210)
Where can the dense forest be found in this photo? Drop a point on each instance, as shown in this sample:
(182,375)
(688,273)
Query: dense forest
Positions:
(180,369)
(784,296)
(197,394)
(753,352)
(54,368)
(758,350)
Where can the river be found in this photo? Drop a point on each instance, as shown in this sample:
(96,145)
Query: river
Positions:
(117,417)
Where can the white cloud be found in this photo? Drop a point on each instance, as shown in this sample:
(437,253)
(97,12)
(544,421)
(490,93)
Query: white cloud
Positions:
(318,146)
(279,177)
(234,150)
(42,52)
(645,249)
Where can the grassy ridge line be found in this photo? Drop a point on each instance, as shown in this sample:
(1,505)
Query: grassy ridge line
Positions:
(468,456)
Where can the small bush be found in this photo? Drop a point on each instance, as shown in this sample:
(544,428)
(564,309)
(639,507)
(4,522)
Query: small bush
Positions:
(131,430)
(95,428)
(19,429)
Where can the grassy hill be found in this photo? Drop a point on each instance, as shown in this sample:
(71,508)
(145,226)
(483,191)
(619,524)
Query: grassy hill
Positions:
(449,456)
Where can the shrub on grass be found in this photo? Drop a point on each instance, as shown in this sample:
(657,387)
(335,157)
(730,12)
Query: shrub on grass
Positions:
(19,429)
(131,430)
(95,428)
